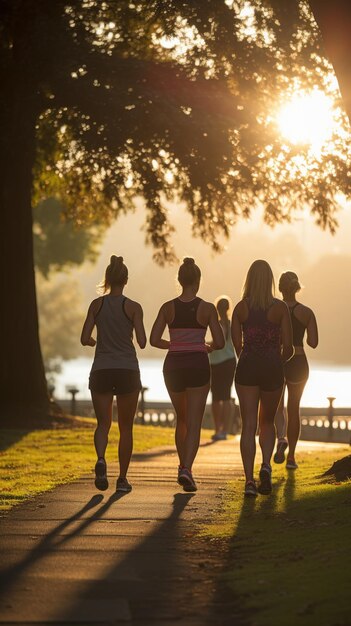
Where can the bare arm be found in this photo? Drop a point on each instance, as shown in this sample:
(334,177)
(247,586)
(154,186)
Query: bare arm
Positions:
(236,330)
(216,330)
(138,323)
(312,331)
(86,339)
(286,334)
(158,330)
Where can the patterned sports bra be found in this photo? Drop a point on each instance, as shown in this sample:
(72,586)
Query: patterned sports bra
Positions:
(261,336)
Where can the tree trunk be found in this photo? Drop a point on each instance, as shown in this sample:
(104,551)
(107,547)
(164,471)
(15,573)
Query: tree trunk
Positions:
(24,399)
(334,20)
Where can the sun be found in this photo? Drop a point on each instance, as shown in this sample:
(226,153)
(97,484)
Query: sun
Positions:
(307,119)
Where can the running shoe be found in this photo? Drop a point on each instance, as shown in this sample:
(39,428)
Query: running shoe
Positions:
(219,437)
(185,478)
(265,484)
(123,485)
(101,481)
(291,464)
(250,489)
(279,456)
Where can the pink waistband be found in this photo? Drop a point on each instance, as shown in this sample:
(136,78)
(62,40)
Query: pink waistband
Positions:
(187,340)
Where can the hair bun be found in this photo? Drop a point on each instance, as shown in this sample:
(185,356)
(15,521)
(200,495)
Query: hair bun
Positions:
(116,259)
(188,260)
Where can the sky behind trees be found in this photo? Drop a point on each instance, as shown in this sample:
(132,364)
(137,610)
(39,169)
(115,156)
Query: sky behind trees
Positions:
(322,261)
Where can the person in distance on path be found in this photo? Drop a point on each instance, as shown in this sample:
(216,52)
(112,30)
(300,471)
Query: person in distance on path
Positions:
(223,364)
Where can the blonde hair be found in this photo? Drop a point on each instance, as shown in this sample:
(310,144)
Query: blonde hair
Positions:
(189,273)
(259,285)
(116,274)
(289,282)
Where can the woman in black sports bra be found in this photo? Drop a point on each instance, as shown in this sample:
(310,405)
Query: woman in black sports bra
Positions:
(186,367)
(262,337)
(296,370)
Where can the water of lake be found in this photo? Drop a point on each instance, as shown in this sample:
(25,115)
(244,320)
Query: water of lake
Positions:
(324,381)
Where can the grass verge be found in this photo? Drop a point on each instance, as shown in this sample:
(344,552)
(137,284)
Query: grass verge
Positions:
(289,554)
(35,461)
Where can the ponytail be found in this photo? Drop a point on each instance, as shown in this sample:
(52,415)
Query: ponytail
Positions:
(116,274)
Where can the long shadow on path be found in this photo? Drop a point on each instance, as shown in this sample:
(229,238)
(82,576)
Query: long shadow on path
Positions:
(144,582)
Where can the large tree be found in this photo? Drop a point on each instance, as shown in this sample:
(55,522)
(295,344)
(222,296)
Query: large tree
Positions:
(162,99)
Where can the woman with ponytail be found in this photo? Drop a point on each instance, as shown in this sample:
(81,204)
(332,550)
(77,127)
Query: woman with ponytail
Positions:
(186,368)
(115,369)
(296,370)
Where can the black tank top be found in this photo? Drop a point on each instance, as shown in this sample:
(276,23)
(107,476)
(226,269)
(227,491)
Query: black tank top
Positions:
(185,332)
(297,327)
(185,314)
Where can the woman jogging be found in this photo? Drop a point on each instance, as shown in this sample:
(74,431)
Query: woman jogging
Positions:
(115,369)
(186,368)
(296,370)
(262,337)
(223,364)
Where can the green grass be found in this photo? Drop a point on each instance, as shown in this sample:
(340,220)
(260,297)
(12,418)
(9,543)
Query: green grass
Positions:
(289,554)
(39,460)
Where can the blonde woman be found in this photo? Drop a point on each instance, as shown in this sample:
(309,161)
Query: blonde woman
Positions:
(296,370)
(223,364)
(115,369)
(186,368)
(262,337)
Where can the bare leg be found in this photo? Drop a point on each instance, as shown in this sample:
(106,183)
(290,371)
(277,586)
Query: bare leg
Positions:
(269,401)
(217,414)
(280,420)
(126,406)
(102,403)
(248,399)
(295,391)
(227,410)
(195,408)
(179,402)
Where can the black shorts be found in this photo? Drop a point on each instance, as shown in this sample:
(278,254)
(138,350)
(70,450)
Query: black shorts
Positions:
(182,371)
(222,376)
(117,381)
(296,370)
(256,371)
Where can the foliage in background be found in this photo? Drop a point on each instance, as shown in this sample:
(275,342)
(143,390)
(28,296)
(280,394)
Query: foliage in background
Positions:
(61,316)
(58,242)
(167,100)
(178,101)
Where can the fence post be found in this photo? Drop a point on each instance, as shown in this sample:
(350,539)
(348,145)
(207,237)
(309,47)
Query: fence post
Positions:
(330,416)
(141,405)
(73,391)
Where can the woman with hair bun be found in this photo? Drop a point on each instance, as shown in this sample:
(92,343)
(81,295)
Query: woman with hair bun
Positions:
(296,370)
(186,367)
(115,369)
(262,337)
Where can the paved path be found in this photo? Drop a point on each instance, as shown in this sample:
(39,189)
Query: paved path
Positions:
(77,555)
(74,555)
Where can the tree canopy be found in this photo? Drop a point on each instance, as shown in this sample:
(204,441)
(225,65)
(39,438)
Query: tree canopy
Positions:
(111,100)
(178,100)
